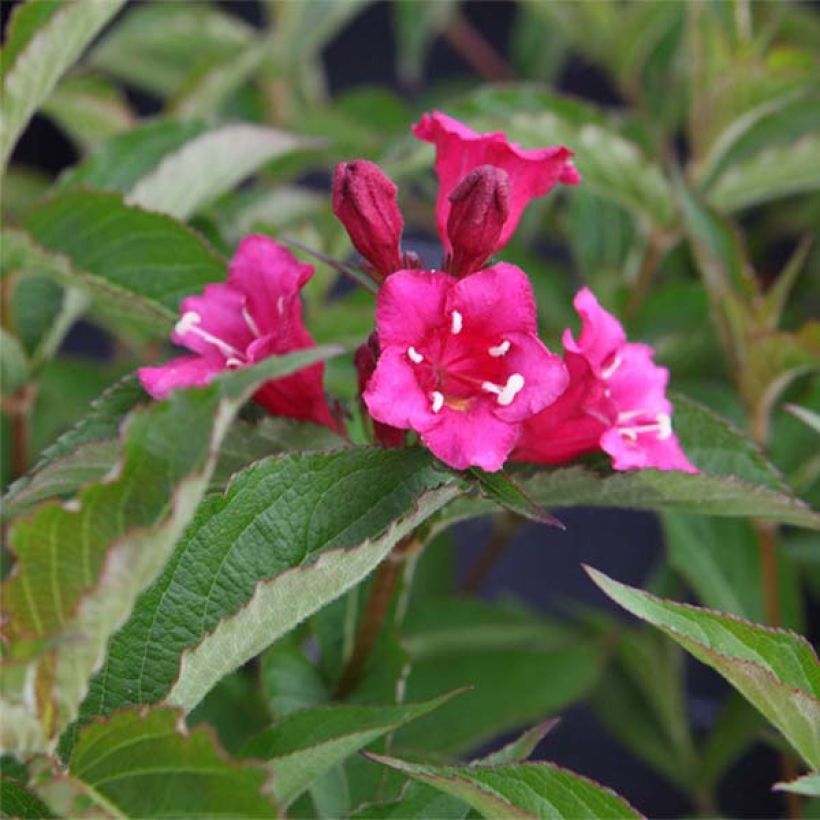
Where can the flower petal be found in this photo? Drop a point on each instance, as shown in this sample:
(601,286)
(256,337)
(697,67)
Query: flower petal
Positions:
(212,323)
(601,333)
(459,149)
(410,304)
(393,395)
(647,452)
(545,377)
(184,371)
(270,277)
(475,438)
(495,301)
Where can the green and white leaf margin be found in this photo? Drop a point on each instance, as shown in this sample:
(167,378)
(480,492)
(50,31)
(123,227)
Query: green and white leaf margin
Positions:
(79,571)
(776,670)
(39,63)
(518,790)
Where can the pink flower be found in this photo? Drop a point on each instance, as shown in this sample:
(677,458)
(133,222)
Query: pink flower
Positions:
(461,362)
(459,149)
(616,401)
(257,313)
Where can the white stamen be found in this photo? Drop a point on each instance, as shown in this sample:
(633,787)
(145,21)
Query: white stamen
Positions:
(233,362)
(438,400)
(252,326)
(662,426)
(457,323)
(280,305)
(414,355)
(506,394)
(500,350)
(514,385)
(607,372)
(189,323)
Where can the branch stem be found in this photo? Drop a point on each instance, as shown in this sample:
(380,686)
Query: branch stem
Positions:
(505,528)
(374,613)
(469,43)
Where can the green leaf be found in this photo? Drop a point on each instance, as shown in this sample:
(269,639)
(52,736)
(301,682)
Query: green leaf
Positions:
(416,27)
(305,744)
(146,764)
(539,664)
(40,58)
(14,364)
(808,416)
(776,670)
(720,560)
(137,262)
(89,109)
(115,537)
(519,790)
(152,47)
(773,173)
(291,534)
(122,161)
(210,165)
(808,785)
(735,480)
(418,801)
(505,491)
(518,750)
(17,801)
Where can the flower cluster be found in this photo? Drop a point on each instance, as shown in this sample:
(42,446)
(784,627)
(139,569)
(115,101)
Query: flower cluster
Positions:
(455,356)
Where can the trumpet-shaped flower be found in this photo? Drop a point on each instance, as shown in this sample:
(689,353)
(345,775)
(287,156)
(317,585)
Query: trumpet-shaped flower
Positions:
(257,313)
(461,362)
(460,150)
(616,401)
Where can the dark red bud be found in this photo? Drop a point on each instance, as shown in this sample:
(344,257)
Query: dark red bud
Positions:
(364,201)
(365,360)
(479,207)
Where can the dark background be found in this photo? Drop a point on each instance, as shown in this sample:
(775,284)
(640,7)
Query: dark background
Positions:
(542,565)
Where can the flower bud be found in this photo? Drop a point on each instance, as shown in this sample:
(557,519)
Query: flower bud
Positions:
(479,207)
(365,360)
(364,201)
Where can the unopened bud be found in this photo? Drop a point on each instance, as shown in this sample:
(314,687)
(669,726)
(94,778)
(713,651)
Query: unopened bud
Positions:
(367,355)
(364,201)
(479,207)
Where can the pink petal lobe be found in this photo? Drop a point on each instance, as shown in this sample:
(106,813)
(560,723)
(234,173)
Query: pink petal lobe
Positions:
(601,333)
(495,300)
(545,377)
(473,439)
(459,150)
(647,452)
(410,305)
(184,371)
(270,277)
(212,323)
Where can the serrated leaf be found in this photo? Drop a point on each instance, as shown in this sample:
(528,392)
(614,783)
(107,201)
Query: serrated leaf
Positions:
(41,57)
(506,492)
(122,161)
(210,165)
(776,670)
(138,263)
(775,172)
(115,537)
(735,479)
(519,790)
(417,801)
(146,764)
(152,47)
(808,785)
(291,534)
(305,744)
(17,801)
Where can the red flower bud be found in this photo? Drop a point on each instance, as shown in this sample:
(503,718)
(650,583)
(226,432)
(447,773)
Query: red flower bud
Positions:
(479,207)
(364,201)
(365,360)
